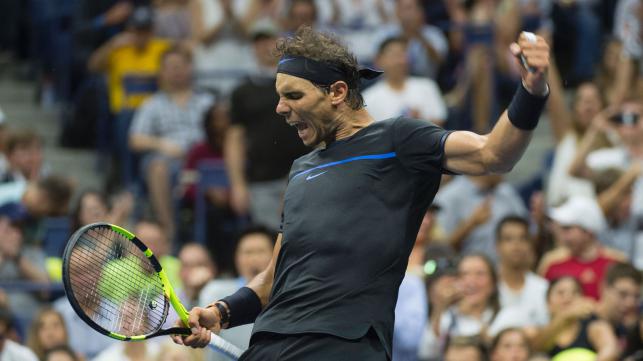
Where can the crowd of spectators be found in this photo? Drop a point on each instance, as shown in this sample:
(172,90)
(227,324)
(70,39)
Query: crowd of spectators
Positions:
(177,99)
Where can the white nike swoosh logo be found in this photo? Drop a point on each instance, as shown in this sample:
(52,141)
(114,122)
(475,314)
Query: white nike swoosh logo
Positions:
(311,176)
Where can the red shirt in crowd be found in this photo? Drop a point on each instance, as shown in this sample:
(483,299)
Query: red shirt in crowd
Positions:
(590,274)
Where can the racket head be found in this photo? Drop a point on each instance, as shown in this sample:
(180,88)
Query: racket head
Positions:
(115,283)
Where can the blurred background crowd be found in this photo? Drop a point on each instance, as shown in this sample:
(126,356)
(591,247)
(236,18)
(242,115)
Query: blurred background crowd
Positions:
(174,100)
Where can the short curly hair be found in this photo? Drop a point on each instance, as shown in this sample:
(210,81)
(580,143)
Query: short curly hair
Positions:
(325,48)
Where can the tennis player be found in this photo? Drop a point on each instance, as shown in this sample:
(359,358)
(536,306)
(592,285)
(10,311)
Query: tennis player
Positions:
(354,204)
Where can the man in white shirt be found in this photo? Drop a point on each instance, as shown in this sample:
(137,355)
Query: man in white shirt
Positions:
(428,47)
(517,285)
(400,94)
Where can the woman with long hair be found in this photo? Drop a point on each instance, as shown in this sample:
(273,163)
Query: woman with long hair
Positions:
(47,331)
(574,331)
(466,307)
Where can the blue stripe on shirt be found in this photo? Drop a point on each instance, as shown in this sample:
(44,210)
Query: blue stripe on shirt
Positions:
(348,160)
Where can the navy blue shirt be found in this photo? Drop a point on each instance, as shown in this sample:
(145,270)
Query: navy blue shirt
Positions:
(351,215)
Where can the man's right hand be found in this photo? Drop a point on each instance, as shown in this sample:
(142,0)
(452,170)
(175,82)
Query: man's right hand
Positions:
(202,321)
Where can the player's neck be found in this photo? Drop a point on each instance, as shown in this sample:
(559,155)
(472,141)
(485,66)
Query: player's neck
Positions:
(351,122)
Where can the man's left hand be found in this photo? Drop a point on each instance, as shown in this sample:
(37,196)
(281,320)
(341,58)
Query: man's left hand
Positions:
(535,51)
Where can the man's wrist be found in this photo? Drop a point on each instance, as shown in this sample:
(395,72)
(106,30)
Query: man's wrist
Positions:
(224,312)
(539,91)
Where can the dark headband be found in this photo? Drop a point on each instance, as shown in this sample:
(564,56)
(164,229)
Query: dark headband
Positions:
(318,72)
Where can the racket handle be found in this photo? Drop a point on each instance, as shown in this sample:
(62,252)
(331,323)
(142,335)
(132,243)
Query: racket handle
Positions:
(220,345)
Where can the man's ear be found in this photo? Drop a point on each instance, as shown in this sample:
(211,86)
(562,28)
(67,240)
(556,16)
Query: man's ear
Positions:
(338,92)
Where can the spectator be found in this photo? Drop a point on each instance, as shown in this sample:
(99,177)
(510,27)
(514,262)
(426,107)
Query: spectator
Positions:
(623,122)
(130,60)
(510,344)
(471,209)
(578,222)
(411,308)
(518,286)
(47,331)
(400,94)
(300,13)
(222,56)
(24,156)
(634,349)
(465,348)
(164,129)
(627,28)
(9,349)
(568,127)
(257,168)
(253,253)
(20,263)
(82,338)
(427,46)
(357,22)
(468,307)
(620,301)
(48,196)
(154,237)
(130,351)
(573,324)
(196,270)
(61,353)
(614,188)
(92,206)
(215,125)
(219,231)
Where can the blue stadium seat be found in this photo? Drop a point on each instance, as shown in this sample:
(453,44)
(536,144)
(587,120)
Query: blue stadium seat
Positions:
(211,174)
(56,233)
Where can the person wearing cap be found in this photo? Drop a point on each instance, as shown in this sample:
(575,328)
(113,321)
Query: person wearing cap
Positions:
(259,147)
(578,223)
(624,122)
(353,206)
(131,61)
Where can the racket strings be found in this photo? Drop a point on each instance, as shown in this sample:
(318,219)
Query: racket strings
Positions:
(116,285)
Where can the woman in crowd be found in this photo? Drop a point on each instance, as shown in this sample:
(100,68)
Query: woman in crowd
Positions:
(511,344)
(574,331)
(468,306)
(47,332)
(93,206)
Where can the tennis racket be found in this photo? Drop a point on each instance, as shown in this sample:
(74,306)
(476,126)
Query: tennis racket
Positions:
(117,286)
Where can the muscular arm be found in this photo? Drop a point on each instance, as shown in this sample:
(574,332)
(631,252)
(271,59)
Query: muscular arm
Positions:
(499,151)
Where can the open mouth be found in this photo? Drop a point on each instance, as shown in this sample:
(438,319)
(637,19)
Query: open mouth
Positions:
(299,125)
